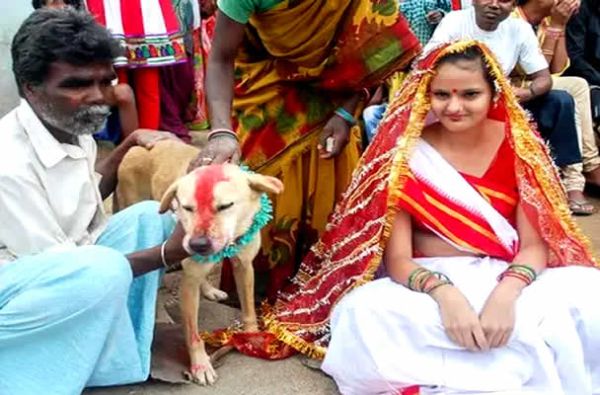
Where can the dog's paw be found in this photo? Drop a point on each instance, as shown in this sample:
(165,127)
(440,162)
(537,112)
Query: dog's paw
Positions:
(212,293)
(201,374)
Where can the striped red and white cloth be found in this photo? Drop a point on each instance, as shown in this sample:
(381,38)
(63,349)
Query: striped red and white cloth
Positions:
(148,30)
(461,4)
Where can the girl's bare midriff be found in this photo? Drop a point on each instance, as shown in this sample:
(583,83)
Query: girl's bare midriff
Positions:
(429,245)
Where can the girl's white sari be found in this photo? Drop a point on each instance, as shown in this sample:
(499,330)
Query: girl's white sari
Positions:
(386,337)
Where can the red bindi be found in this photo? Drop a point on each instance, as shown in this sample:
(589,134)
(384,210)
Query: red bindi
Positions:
(207,179)
(454,91)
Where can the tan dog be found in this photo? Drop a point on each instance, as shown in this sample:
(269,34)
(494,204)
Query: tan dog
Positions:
(146,174)
(216,205)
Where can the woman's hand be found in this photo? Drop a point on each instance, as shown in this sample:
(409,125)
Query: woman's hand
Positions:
(219,149)
(337,131)
(459,319)
(498,315)
(562,12)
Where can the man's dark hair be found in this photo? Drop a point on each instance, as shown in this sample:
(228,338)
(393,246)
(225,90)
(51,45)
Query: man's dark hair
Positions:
(51,35)
(36,4)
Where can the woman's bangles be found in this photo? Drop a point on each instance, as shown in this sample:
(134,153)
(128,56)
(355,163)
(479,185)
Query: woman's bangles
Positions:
(223,132)
(554,33)
(522,272)
(345,115)
(426,281)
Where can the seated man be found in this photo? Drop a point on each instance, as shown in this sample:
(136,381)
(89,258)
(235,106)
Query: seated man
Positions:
(513,42)
(583,44)
(70,314)
(549,20)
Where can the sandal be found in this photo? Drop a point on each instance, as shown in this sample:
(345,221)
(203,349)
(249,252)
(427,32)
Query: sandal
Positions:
(581,207)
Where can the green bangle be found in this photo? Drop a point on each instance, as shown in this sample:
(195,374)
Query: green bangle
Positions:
(410,284)
(345,115)
(527,270)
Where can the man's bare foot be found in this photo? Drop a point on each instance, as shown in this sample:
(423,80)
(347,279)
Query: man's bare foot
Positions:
(579,205)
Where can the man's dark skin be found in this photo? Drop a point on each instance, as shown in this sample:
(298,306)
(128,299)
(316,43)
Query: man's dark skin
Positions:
(488,15)
(69,87)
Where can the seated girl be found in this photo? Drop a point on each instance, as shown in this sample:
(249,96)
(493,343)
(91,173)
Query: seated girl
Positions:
(490,286)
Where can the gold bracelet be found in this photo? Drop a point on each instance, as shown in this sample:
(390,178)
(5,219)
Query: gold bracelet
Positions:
(548,52)
(554,33)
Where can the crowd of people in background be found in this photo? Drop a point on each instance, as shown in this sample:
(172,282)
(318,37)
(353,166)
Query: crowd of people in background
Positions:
(161,84)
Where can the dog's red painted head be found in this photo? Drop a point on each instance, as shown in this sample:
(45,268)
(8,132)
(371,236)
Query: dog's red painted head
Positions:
(216,204)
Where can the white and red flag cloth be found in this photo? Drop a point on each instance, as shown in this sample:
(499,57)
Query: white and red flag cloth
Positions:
(148,30)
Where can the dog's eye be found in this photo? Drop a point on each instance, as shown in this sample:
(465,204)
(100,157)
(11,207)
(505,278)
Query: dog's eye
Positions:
(223,207)
(189,209)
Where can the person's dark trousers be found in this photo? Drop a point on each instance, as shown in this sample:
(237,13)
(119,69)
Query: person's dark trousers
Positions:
(554,113)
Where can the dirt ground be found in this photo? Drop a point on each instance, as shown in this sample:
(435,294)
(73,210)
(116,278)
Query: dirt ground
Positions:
(241,375)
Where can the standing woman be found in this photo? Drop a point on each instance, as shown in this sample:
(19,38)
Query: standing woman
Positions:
(150,34)
(292,74)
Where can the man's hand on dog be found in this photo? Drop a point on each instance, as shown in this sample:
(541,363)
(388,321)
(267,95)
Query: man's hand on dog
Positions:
(219,149)
(147,138)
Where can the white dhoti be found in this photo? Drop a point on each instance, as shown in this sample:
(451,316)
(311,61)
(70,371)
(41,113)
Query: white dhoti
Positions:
(386,337)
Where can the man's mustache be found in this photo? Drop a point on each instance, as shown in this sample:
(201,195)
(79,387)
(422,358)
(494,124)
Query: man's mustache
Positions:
(93,110)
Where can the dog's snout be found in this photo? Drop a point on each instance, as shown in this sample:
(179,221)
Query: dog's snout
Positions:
(201,245)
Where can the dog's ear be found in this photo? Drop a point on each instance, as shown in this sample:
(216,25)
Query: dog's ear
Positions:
(167,198)
(267,184)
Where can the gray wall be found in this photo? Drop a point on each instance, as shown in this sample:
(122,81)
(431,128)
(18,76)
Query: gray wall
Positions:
(12,13)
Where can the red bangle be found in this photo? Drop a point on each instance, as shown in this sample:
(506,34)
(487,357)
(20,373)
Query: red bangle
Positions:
(516,275)
(554,32)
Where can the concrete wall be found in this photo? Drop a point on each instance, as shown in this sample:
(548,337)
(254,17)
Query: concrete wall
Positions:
(12,13)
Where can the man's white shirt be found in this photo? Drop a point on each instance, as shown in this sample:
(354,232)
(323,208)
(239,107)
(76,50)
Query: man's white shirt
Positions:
(49,196)
(513,42)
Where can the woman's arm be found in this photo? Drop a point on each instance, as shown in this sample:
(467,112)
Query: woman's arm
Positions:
(399,251)
(219,76)
(221,147)
(554,49)
(498,314)
(554,46)
(533,251)
(458,317)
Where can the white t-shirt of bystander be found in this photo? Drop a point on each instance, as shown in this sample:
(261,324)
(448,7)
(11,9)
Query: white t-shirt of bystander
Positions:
(513,42)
